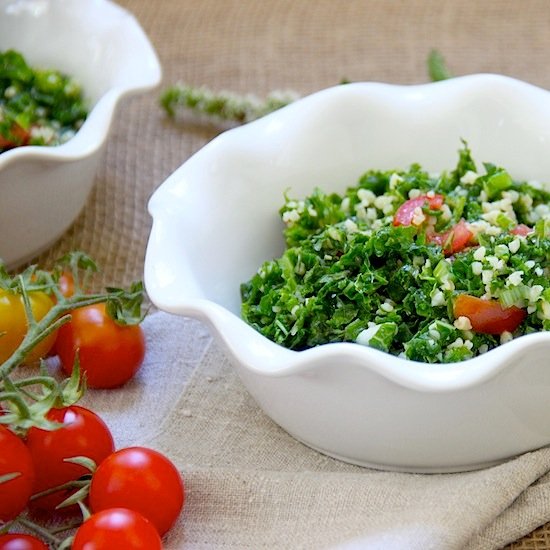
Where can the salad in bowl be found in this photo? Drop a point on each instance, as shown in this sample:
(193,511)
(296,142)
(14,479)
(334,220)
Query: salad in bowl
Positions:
(431,267)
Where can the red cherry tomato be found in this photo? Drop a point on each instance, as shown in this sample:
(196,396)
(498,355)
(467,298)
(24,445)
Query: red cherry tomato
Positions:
(118,528)
(454,240)
(141,479)
(109,353)
(488,316)
(19,541)
(405,213)
(15,458)
(83,434)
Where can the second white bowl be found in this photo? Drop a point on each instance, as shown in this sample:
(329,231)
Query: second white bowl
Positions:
(43,189)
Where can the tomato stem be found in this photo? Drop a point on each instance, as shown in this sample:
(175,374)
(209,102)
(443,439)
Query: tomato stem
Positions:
(8,477)
(39,530)
(66,544)
(63,528)
(35,380)
(31,321)
(86,514)
(15,398)
(75,484)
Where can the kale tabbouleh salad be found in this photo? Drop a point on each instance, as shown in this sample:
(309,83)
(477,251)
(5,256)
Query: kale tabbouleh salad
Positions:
(434,268)
(37,106)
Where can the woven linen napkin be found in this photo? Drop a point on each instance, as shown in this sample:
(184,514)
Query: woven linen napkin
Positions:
(251,485)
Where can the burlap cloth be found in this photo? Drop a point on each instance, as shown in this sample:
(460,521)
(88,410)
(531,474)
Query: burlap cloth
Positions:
(249,484)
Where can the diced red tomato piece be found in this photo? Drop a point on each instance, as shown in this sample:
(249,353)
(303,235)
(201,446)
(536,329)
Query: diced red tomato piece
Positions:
(405,213)
(488,316)
(454,240)
(522,230)
(20,135)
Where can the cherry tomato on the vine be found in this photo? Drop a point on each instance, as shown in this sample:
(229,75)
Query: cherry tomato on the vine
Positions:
(13,323)
(488,316)
(118,528)
(15,458)
(141,479)
(109,353)
(83,434)
(19,541)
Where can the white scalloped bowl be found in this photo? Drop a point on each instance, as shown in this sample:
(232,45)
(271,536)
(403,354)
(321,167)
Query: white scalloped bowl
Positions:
(43,189)
(215,221)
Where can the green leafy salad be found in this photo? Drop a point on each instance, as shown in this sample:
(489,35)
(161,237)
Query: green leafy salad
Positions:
(433,268)
(37,107)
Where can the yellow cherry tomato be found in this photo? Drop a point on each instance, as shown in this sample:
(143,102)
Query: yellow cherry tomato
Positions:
(13,324)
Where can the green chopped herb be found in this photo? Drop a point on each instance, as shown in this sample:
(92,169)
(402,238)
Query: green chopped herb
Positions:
(225,106)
